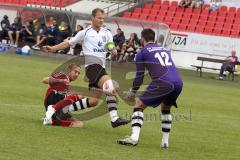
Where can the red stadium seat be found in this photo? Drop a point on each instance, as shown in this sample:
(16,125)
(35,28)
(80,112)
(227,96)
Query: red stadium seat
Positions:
(148,6)
(156,7)
(195,16)
(165,7)
(143,17)
(191,28)
(222,14)
(212,19)
(174,3)
(232,10)
(199,29)
(202,23)
(182,27)
(234,34)
(217,31)
(203,17)
(208,30)
(127,14)
(174,26)
(196,11)
(193,22)
(229,19)
(188,16)
(162,13)
(223,9)
(180,9)
(145,11)
(176,20)
(168,19)
(185,21)
(159,19)
(153,12)
(170,13)
(205,12)
(152,18)
(157,2)
(221,19)
(178,14)
(166,3)
(188,10)
(210,24)
(137,10)
(135,16)
(226,33)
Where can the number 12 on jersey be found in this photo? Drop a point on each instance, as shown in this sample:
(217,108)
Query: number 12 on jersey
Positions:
(163,58)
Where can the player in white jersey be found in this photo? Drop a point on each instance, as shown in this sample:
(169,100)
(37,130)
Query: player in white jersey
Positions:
(96,41)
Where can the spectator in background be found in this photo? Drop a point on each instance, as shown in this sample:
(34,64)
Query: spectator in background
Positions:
(79,46)
(185,3)
(196,3)
(49,36)
(130,48)
(229,65)
(64,32)
(214,5)
(78,28)
(15,29)
(50,22)
(118,40)
(27,30)
(40,36)
(5,24)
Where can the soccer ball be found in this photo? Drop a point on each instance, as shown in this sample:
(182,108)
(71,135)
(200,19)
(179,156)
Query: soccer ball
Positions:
(26,50)
(110,87)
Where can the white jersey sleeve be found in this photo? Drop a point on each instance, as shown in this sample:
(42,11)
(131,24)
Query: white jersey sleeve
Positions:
(77,39)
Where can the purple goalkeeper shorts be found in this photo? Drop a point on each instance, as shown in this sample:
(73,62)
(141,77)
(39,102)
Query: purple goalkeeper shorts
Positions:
(161,92)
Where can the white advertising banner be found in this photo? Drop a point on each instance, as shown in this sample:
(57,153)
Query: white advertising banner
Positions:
(198,43)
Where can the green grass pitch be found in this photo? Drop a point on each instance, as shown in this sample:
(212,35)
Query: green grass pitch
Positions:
(206,125)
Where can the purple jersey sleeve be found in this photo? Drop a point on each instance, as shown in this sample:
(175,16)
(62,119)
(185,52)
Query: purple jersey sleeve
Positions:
(140,68)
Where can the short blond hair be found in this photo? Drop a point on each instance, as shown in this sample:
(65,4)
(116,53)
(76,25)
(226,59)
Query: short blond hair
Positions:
(96,10)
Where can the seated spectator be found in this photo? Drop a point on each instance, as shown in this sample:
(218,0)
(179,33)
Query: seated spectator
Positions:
(118,40)
(62,26)
(27,31)
(5,24)
(50,22)
(64,32)
(185,3)
(196,3)
(78,46)
(15,29)
(49,36)
(229,65)
(40,36)
(130,48)
(214,5)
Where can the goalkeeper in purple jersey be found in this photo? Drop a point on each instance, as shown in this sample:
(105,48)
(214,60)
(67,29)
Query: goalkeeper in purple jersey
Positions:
(164,89)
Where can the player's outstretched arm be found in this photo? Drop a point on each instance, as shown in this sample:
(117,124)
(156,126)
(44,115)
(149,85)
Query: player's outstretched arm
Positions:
(51,80)
(57,47)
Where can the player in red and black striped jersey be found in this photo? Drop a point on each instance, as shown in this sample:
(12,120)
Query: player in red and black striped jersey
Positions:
(59,102)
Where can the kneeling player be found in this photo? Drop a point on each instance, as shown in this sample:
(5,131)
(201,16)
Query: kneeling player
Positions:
(58,99)
(164,89)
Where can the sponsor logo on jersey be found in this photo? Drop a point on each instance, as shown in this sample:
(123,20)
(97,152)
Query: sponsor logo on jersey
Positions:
(98,50)
(100,44)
